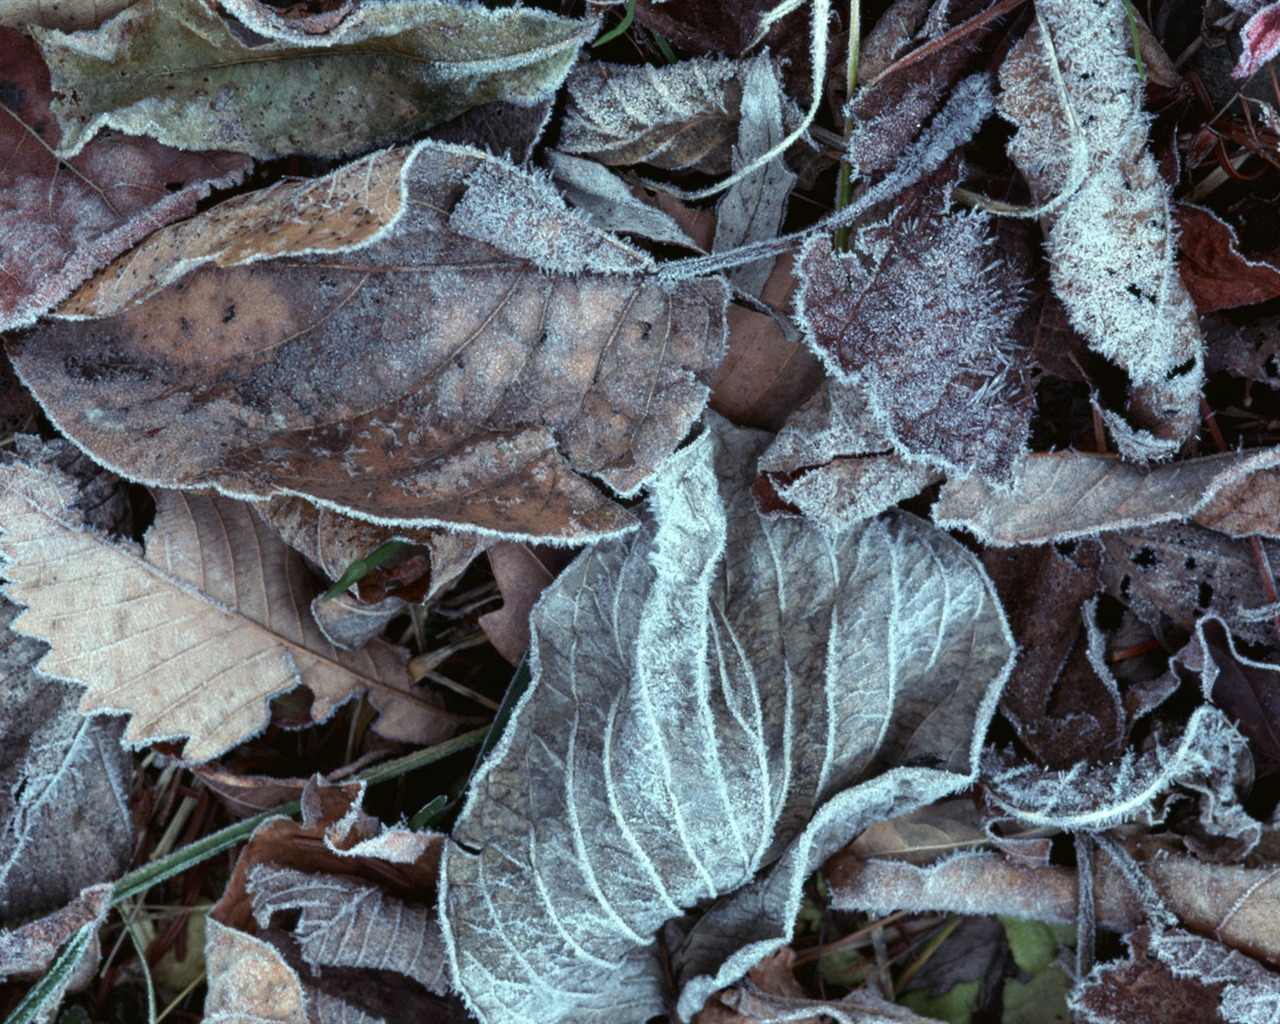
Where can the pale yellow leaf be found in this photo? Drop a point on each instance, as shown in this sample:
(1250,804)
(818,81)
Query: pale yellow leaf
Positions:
(194,635)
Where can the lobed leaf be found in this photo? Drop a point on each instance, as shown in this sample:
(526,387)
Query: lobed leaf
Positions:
(193,635)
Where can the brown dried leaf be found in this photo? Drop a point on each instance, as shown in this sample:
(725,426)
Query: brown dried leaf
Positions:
(193,637)
(1141,990)
(1063,708)
(1216,273)
(680,116)
(1065,495)
(365,945)
(1185,571)
(62,220)
(923,836)
(423,378)
(29,950)
(521,578)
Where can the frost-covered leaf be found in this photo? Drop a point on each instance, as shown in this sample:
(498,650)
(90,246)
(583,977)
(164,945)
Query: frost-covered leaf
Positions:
(1061,699)
(1140,989)
(1261,40)
(64,786)
(718,695)
(752,209)
(1066,495)
(343,923)
(1245,991)
(329,920)
(192,636)
(179,71)
(64,14)
(59,950)
(834,463)
(919,312)
(1184,571)
(421,378)
(597,192)
(62,220)
(1097,796)
(684,115)
(1110,234)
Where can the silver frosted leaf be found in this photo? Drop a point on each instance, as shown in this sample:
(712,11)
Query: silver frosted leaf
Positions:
(717,694)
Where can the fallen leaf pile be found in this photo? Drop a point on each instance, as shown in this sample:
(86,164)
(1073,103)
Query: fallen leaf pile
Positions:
(830,471)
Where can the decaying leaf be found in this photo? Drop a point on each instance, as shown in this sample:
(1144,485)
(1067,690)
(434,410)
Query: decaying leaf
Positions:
(1216,273)
(753,208)
(1185,571)
(1097,796)
(1076,99)
(834,463)
(1067,495)
(421,378)
(1129,991)
(329,920)
(193,635)
(767,371)
(1061,699)
(67,15)
(521,577)
(598,193)
(60,220)
(64,786)
(919,312)
(430,561)
(28,951)
(681,116)
(179,71)
(716,696)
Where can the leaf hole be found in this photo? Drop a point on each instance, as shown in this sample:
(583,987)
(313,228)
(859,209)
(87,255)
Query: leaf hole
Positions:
(1204,596)
(1182,369)
(1145,558)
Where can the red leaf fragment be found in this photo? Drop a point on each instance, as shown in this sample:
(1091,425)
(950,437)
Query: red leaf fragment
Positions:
(1217,274)
(1261,39)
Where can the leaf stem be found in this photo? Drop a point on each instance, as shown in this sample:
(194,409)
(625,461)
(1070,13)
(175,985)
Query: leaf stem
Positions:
(145,877)
(844,187)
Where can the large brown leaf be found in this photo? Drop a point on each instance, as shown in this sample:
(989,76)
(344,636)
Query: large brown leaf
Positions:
(62,220)
(421,377)
(195,635)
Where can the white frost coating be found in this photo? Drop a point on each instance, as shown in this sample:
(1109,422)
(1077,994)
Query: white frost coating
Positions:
(599,195)
(1111,243)
(523,215)
(1095,797)
(753,207)
(1250,993)
(706,698)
